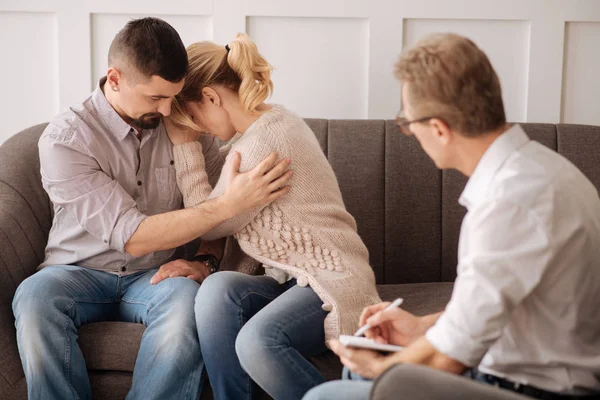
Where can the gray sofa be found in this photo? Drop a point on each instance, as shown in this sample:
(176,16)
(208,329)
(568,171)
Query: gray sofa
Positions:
(406,209)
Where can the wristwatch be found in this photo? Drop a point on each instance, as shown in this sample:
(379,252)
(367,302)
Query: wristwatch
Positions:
(211,261)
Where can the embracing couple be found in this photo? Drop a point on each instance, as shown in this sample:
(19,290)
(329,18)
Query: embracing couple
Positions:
(280,268)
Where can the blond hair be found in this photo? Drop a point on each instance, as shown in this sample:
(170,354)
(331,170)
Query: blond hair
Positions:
(241,69)
(450,78)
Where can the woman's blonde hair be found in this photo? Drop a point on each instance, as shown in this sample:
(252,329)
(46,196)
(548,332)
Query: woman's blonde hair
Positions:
(237,66)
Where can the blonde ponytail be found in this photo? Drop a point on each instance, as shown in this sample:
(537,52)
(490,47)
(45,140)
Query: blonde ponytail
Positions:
(241,69)
(253,70)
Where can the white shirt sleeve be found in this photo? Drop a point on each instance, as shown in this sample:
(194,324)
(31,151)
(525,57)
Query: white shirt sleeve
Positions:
(504,258)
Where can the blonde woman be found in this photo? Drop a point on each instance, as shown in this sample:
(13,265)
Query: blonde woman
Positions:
(317,279)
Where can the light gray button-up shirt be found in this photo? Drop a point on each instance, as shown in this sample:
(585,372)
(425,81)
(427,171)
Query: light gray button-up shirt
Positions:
(104,181)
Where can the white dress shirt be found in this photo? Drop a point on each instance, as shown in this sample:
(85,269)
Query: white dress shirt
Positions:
(526,302)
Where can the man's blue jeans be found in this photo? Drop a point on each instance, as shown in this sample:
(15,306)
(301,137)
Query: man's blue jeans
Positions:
(50,305)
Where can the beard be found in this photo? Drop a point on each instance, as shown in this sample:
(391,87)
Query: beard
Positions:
(147,121)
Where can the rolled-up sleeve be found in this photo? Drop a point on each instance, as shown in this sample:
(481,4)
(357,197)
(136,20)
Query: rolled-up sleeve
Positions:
(74,181)
(505,259)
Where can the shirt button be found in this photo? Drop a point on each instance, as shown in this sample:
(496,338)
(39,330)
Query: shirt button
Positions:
(139,183)
(123,269)
(172,162)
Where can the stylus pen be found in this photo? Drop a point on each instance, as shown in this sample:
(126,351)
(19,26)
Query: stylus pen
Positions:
(361,331)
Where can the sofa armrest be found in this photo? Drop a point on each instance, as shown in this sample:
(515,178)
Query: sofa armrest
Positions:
(22,243)
(416,382)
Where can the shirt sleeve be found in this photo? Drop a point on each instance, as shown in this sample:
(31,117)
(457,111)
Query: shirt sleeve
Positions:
(73,180)
(506,257)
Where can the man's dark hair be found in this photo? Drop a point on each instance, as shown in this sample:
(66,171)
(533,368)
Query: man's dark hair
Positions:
(152,47)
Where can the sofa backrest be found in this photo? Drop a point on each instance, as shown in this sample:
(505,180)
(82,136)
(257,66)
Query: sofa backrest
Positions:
(406,209)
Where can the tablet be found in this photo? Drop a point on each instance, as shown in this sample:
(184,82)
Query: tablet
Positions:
(366,343)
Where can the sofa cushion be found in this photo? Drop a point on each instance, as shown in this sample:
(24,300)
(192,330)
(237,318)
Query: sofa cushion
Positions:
(110,346)
(356,154)
(580,144)
(419,298)
(412,211)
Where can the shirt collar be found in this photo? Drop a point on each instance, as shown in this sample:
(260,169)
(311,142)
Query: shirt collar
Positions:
(491,161)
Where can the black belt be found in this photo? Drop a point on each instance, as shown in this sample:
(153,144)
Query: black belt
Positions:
(527,390)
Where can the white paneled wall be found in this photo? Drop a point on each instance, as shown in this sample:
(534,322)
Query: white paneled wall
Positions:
(321,72)
(333,58)
(498,38)
(581,84)
(29,67)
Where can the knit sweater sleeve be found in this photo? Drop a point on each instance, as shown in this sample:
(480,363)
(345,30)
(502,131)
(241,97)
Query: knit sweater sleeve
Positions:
(198,166)
(193,181)
(214,158)
(192,177)
(252,152)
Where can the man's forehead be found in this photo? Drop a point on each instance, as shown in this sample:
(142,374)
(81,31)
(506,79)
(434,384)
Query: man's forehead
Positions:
(159,87)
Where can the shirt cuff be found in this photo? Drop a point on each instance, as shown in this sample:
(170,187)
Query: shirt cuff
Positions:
(450,340)
(126,226)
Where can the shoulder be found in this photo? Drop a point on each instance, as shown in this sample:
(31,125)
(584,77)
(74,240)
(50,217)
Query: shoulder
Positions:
(279,121)
(70,128)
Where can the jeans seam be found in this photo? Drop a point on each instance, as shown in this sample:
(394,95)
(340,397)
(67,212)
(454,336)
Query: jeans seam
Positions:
(260,294)
(142,303)
(93,302)
(240,315)
(290,359)
(67,354)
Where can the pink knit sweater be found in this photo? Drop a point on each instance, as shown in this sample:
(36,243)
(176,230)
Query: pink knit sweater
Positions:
(306,234)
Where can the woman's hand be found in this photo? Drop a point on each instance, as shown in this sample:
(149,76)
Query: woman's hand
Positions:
(178,134)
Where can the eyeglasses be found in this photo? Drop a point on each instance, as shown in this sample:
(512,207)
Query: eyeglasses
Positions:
(404,124)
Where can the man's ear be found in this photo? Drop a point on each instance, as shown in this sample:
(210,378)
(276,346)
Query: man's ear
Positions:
(442,130)
(114,78)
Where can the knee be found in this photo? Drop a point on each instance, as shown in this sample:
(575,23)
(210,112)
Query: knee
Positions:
(176,292)
(178,303)
(218,295)
(35,307)
(417,382)
(325,391)
(35,296)
(259,340)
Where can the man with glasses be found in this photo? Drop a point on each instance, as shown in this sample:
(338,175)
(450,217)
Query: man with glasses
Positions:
(524,315)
